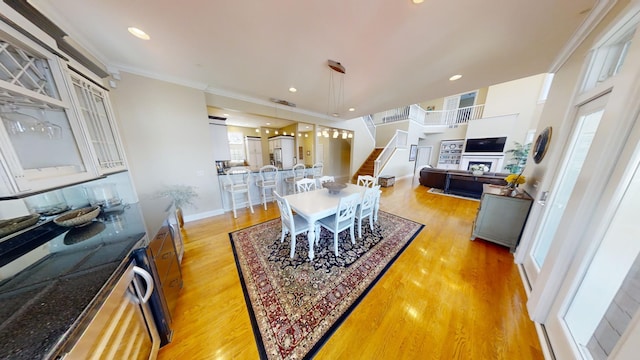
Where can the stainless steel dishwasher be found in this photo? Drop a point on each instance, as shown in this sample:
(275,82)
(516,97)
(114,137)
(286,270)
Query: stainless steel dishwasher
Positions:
(123,327)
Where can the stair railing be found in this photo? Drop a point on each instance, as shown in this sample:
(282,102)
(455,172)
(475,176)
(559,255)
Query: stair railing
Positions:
(399,140)
(368,121)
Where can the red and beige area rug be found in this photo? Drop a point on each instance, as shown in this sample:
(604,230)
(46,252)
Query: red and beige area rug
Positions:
(296,304)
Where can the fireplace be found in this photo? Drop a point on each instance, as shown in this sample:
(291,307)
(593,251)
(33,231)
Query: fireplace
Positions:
(493,162)
(485,163)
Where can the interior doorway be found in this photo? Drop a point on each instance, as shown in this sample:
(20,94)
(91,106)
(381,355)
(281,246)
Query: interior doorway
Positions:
(423,158)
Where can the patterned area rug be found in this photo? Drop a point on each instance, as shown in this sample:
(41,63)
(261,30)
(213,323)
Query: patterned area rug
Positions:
(296,304)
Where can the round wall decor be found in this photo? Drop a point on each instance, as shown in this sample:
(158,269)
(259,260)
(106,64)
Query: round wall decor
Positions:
(541,145)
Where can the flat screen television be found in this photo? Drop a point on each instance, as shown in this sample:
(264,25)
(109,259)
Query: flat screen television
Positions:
(480,145)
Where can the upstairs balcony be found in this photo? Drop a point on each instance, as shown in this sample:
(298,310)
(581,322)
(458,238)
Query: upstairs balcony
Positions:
(433,121)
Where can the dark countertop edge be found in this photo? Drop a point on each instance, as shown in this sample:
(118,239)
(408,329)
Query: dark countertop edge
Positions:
(75,331)
(279,170)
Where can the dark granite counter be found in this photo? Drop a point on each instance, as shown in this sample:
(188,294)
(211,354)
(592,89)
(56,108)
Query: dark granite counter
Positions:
(53,279)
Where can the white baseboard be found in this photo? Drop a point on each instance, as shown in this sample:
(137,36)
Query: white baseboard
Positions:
(203,215)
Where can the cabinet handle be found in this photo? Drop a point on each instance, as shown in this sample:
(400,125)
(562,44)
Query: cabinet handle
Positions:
(166,255)
(174,282)
(147,279)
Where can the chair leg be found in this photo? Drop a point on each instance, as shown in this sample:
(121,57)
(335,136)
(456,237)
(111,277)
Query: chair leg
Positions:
(335,243)
(264,198)
(293,245)
(360,228)
(351,232)
(371,221)
(249,200)
(284,232)
(233,205)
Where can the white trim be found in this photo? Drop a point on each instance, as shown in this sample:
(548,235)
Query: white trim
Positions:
(203,215)
(597,13)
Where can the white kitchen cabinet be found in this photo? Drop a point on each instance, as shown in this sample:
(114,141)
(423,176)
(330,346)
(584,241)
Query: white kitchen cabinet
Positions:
(283,151)
(254,152)
(95,111)
(42,143)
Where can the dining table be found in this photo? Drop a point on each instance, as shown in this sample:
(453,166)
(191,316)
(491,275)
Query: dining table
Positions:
(317,204)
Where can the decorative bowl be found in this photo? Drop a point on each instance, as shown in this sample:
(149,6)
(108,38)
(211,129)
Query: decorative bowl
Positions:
(83,233)
(10,226)
(334,187)
(78,217)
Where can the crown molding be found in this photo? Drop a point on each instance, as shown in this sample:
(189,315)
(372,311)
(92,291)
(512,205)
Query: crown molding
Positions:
(599,11)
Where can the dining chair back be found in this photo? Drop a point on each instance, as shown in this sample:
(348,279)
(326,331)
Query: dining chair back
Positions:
(343,219)
(317,170)
(367,207)
(298,174)
(267,181)
(237,181)
(305,185)
(367,180)
(292,224)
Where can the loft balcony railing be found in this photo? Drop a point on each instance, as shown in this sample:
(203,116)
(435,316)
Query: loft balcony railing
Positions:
(454,116)
(433,117)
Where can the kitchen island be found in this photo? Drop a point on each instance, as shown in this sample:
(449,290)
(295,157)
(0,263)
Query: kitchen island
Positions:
(53,279)
(282,188)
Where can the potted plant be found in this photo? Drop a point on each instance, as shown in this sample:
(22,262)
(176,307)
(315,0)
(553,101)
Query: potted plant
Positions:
(181,195)
(519,156)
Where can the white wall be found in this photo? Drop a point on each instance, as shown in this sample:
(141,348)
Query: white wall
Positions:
(165,131)
(516,97)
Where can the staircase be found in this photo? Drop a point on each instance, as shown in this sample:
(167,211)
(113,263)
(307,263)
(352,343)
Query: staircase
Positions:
(367,165)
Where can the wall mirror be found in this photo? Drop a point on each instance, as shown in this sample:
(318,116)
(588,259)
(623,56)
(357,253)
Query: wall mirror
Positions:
(541,145)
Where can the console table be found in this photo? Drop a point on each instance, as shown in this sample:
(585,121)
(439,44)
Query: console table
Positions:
(501,217)
(459,182)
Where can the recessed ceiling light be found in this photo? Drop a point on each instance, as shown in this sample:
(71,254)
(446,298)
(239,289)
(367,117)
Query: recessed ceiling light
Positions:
(455,77)
(226,115)
(292,89)
(139,33)
(268,123)
(417,1)
(352,109)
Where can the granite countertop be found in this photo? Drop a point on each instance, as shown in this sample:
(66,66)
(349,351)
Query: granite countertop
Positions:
(53,279)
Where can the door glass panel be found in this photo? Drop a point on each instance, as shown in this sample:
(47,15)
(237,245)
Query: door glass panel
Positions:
(41,138)
(586,129)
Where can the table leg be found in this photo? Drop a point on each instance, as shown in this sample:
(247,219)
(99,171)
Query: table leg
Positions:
(311,237)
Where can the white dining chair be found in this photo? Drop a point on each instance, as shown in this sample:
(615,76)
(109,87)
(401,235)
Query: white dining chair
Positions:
(343,219)
(237,181)
(305,185)
(267,181)
(367,180)
(316,170)
(377,204)
(366,208)
(298,174)
(292,224)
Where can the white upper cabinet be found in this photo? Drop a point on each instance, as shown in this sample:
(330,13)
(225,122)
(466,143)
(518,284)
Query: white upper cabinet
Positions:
(95,112)
(42,143)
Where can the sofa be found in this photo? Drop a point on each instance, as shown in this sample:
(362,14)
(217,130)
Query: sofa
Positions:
(459,182)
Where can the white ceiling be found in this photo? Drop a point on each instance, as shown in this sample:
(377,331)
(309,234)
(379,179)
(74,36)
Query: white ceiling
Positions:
(396,53)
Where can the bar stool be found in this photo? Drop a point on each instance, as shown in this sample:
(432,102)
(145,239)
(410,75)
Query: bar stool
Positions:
(298,174)
(237,182)
(268,180)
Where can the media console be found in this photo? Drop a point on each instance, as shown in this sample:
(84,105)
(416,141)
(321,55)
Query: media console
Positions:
(459,182)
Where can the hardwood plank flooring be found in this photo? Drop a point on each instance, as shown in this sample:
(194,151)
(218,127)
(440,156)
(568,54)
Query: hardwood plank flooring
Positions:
(444,298)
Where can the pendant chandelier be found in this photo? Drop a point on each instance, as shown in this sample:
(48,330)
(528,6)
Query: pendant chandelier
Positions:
(336,88)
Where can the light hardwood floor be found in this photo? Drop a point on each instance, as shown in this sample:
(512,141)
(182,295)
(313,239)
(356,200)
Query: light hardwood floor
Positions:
(444,298)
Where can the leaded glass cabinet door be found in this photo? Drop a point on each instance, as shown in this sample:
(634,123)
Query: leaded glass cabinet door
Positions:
(95,111)
(41,141)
